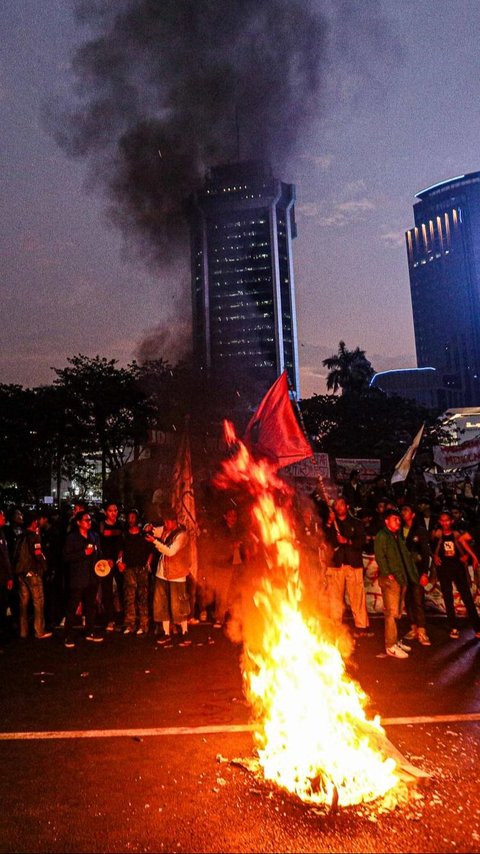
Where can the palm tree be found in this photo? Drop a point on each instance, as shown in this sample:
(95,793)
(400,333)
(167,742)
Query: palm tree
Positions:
(349,370)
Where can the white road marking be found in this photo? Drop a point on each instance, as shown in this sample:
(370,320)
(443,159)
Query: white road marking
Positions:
(155,732)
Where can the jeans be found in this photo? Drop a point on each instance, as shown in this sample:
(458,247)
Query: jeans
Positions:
(135,592)
(415,604)
(393,595)
(448,575)
(31,586)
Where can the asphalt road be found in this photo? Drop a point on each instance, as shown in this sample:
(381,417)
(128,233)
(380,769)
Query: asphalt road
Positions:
(176,790)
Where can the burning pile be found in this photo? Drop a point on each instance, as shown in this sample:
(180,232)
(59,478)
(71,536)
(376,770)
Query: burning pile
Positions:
(311,730)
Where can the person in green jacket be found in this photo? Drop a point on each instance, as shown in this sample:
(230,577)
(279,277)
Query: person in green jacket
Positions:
(395,568)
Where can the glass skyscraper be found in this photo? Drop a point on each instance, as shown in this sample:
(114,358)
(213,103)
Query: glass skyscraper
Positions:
(444,265)
(242,224)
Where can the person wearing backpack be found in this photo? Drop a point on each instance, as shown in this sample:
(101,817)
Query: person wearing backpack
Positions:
(29,565)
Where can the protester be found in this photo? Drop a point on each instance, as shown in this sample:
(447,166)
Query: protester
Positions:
(30,566)
(416,540)
(82,551)
(135,560)
(110,531)
(310,542)
(395,567)
(451,555)
(6,576)
(345,575)
(227,559)
(171,602)
(353,492)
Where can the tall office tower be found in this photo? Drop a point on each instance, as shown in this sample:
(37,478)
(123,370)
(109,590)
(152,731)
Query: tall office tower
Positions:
(242,225)
(444,264)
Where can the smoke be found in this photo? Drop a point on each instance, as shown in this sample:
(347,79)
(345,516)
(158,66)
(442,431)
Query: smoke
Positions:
(161,89)
(169,341)
(164,89)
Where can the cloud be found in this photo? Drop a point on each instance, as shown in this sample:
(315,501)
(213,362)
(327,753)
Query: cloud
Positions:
(352,204)
(310,210)
(394,239)
(343,213)
(323,161)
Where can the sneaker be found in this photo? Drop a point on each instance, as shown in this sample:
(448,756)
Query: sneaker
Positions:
(454,633)
(44,636)
(140,632)
(69,643)
(128,631)
(406,648)
(166,640)
(423,638)
(94,638)
(217,624)
(185,640)
(396,651)
(110,627)
(363,633)
(412,634)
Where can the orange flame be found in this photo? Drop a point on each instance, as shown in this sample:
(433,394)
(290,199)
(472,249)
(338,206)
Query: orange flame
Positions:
(311,729)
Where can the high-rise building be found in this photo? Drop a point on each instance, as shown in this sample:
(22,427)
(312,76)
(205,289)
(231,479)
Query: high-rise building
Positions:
(242,224)
(444,264)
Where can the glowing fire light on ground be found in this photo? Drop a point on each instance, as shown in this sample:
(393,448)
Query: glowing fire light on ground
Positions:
(312,733)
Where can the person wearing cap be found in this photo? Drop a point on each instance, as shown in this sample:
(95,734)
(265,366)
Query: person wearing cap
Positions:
(396,568)
(82,551)
(30,566)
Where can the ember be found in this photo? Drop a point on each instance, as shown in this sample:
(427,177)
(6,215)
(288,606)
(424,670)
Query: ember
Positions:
(311,730)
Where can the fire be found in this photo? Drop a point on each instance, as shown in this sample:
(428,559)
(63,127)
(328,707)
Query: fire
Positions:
(311,730)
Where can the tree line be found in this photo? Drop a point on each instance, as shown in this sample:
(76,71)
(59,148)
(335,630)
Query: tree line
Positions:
(97,410)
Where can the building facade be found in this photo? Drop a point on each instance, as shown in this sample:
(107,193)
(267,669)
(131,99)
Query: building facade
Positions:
(242,225)
(443,251)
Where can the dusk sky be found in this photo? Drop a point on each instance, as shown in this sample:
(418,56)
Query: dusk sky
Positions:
(397,109)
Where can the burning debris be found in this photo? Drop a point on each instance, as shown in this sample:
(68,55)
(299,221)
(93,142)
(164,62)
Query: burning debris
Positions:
(310,727)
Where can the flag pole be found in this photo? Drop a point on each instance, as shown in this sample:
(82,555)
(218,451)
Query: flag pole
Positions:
(324,494)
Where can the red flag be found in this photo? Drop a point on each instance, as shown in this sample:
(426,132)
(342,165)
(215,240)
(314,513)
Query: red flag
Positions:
(274,431)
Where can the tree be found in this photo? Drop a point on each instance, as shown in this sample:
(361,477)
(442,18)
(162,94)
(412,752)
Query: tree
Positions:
(107,407)
(349,370)
(369,424)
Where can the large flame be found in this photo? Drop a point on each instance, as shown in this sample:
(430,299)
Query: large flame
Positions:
(311,729)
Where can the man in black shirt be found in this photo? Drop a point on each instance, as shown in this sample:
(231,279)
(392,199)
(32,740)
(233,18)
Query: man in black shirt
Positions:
(110,542)
(347,536)
(134,561)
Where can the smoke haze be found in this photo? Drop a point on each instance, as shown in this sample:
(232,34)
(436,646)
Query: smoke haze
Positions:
(161,88)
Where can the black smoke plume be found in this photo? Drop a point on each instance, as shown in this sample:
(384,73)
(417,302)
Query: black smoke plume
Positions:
(166,88)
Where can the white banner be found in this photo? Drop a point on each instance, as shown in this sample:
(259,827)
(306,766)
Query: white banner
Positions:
(367,469)
(457,456)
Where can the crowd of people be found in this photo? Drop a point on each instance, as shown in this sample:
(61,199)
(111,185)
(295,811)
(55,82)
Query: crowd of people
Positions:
(96,571)
(108,570)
